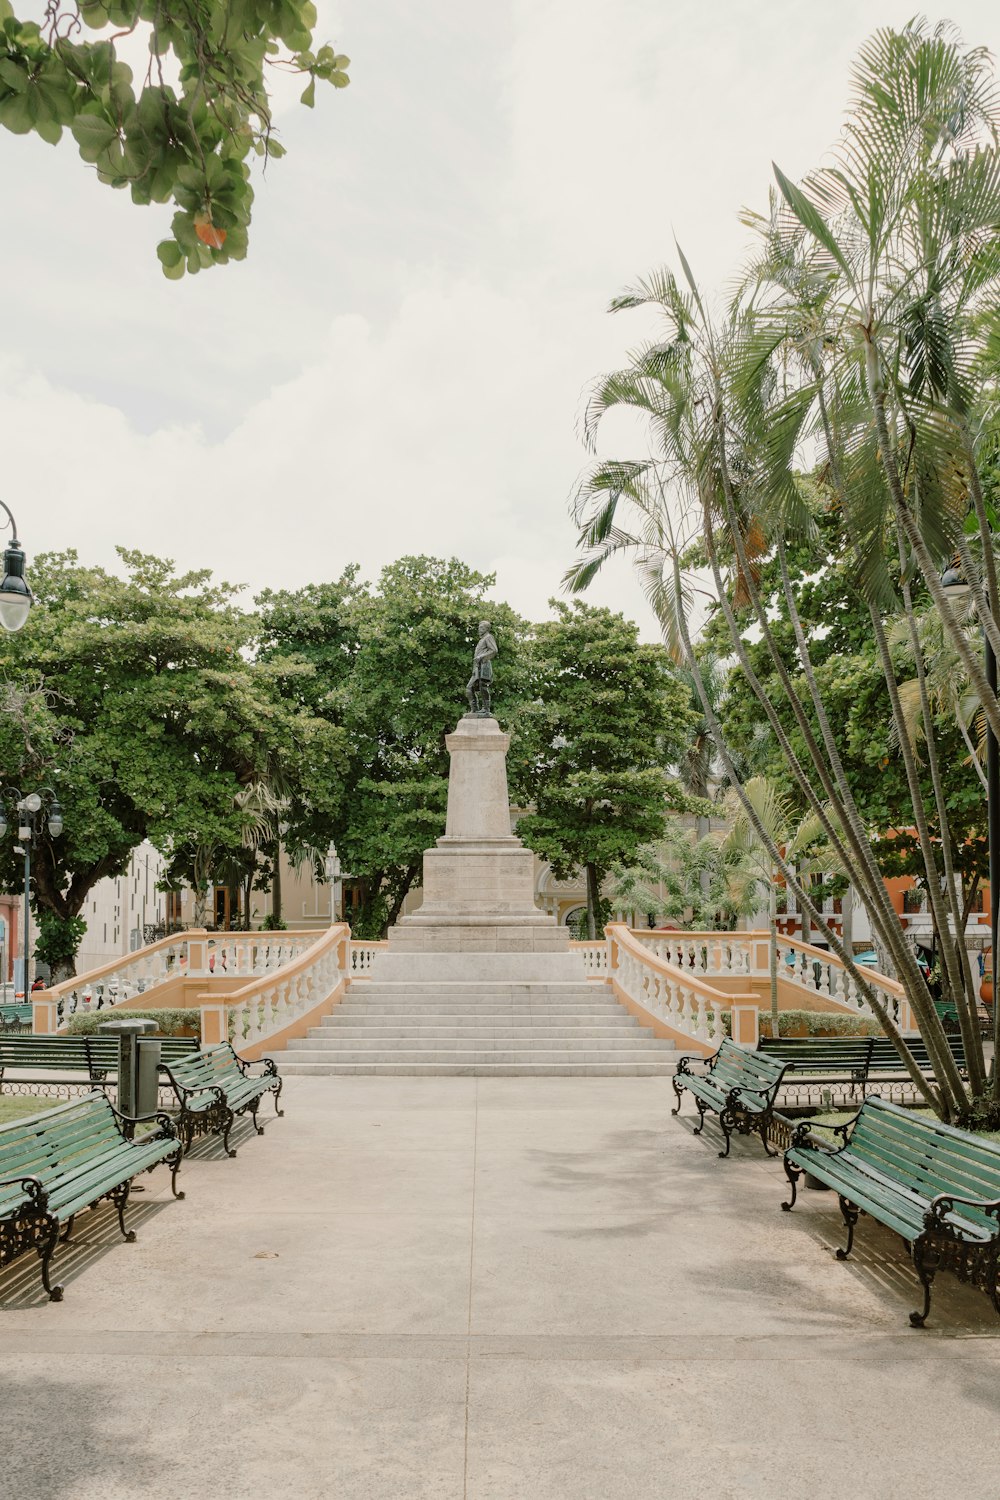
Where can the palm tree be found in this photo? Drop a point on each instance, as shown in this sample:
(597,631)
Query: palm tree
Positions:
(863,326)
(798,842)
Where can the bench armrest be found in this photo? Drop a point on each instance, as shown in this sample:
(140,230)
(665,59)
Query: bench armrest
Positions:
(244,1065)
(802,1132)
(184,1090)
(167,1127)
(32,1186)
(943,1204)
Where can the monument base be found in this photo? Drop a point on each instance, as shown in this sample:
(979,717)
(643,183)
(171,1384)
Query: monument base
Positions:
(479,879)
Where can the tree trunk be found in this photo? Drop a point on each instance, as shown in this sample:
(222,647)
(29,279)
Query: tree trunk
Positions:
(276,895)
(772,940)
(400,897)
(593,901)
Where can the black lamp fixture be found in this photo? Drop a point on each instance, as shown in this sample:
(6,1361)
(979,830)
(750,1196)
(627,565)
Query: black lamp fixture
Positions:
(15,595)
(29,814)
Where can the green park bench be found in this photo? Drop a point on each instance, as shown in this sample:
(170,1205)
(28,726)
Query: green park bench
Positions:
(54,1165)
(862,1059)
(822,1059)
(94,1056)
(215,1086)
(740,1087)
(887,1064)
(937,1187)
(14,1018)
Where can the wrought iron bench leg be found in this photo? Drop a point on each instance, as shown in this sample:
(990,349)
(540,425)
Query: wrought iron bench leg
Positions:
(253,1115)
(926,1271)
(174,1163)
(45,1253)
(850,1216)
(701,1117)
(793,1174)
(226,1128)
(680,1096)
(728,1122)
(277,1094)
(119,1198)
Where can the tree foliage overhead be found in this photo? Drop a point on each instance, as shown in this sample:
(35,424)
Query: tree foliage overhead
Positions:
(388,664)
(606,718)
(135,699)
(184,129)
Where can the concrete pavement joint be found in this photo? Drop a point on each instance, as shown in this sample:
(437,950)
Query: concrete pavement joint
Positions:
(472,1256)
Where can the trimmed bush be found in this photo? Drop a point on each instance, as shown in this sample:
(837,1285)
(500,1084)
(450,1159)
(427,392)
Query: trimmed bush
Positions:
(820,1023)
(168,1022)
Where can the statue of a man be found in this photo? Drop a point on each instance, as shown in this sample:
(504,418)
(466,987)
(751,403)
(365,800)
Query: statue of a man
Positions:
(478,690)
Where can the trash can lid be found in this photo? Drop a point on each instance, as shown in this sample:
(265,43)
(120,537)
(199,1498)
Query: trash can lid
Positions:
(141,1023)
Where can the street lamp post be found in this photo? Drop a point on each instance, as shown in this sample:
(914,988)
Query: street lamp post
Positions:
(956,587)
(333,875)
(29,811)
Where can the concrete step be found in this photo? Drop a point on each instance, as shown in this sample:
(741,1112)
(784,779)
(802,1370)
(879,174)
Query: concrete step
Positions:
(471,984)
(489,1028)
(527,1019)
(611,1030)
(523,1069)
(475,1055)
(480,1043)
(476,1007)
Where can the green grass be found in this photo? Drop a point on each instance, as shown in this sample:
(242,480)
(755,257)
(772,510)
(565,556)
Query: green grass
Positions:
(15,1107)
(839,1116)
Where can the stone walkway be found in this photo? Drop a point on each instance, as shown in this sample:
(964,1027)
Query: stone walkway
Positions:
(499,1289)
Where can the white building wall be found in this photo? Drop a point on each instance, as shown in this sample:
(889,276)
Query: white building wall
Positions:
(117,910)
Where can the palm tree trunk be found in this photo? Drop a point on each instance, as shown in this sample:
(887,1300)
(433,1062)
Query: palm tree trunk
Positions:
(957,969)
(970,660)
(772,917)
(923,1089)
(863,866)
(276,892)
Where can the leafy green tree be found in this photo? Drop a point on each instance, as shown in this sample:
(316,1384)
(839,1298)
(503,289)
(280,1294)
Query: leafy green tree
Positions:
(136,699)
(388,664)
(606,718)
(183,132)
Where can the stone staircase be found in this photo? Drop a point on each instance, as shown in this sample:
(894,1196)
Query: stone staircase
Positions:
(487,1029)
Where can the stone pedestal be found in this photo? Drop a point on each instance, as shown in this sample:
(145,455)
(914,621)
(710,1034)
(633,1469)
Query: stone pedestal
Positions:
(479,880)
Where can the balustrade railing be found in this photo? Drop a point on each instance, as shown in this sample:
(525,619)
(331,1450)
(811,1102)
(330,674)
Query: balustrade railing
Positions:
(817,972)
(595,958)
(273,1001)
(363,955)
(704,952)
(193,954)
(813,970)
(671,993)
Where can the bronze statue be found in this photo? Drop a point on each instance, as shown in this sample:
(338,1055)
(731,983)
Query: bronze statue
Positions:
(478,690)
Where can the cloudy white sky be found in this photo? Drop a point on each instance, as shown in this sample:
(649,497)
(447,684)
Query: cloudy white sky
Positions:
(399,365)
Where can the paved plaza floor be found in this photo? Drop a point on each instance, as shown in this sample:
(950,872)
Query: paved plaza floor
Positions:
(489,1289)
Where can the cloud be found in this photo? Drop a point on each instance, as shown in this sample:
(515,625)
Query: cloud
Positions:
(399,366)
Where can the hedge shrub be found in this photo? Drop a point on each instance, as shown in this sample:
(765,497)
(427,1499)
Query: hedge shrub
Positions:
(168,1022)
